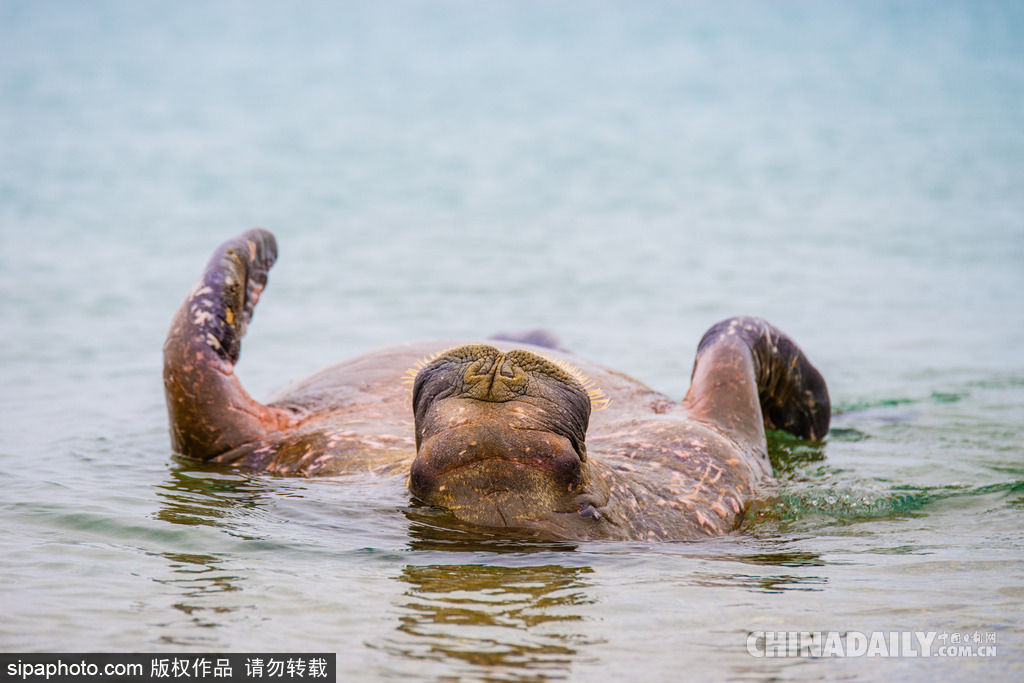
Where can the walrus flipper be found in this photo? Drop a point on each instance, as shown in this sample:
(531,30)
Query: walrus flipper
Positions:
(210,411)
(751,377)
(535,337)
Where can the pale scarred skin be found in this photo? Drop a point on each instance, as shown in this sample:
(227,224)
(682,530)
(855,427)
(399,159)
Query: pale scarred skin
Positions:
(532,449)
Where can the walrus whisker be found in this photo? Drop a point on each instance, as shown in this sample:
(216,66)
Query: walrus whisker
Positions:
(598,401)
(409,376)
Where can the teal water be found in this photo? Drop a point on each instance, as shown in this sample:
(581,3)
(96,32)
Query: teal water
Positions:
(625,175)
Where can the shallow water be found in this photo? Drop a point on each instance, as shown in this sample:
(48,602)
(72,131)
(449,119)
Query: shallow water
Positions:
(626,176)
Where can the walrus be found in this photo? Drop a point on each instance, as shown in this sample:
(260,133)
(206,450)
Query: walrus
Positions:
(510,432)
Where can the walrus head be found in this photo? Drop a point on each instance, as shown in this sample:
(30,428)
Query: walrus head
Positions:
(501,439)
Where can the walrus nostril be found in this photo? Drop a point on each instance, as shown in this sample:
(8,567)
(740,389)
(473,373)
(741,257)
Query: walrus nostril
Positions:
(509,369)
(495,379)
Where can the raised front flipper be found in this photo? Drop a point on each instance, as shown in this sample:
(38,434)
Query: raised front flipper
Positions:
(749,376)
(210,412)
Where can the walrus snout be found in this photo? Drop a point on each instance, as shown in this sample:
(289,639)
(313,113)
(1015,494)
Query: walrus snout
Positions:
(498,469)
(468,445)
(484,373)
(523,388)
(500,436)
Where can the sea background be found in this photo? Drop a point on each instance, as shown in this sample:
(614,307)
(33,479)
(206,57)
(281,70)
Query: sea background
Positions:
(626,174)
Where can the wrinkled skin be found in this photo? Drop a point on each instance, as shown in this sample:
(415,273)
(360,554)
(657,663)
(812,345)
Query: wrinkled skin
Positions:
(505,433)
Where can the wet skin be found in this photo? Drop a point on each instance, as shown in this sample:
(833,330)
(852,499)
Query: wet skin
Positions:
(501,433)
